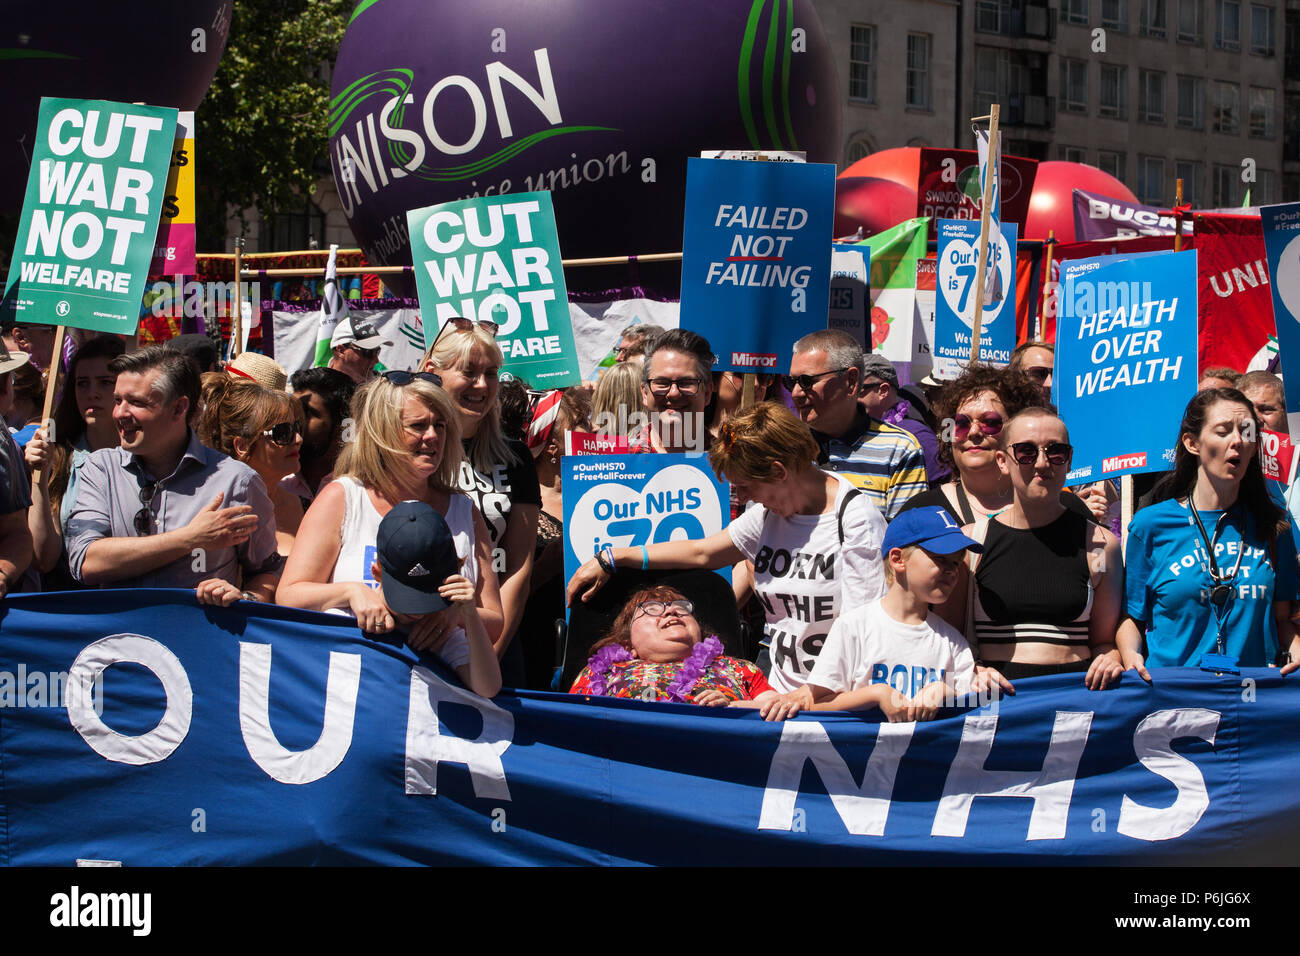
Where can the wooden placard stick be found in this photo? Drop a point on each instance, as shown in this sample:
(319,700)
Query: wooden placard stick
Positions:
(51,387)
(984,234)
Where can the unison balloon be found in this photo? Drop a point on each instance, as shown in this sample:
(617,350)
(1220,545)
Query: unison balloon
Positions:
(600,103)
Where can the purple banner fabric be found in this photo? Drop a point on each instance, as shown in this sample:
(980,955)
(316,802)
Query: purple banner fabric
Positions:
(1102,217)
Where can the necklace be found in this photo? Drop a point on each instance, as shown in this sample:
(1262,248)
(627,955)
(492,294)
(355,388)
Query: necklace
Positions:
(603,663)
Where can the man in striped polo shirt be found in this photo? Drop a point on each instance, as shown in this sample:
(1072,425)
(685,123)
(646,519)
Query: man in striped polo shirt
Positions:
(825,380)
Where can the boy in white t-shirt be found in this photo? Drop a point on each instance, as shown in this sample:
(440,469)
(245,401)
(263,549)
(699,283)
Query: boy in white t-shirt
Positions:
(893,653)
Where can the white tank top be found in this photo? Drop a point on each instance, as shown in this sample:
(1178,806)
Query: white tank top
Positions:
(360,531)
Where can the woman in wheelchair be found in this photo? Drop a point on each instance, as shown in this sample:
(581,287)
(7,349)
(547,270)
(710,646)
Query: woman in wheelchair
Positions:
(654,652)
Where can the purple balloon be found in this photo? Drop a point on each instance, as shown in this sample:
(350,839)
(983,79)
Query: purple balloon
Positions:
(128,51)
(601,103)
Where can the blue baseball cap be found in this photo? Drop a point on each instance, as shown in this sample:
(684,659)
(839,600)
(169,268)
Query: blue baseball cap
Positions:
(417,553)
(930,528)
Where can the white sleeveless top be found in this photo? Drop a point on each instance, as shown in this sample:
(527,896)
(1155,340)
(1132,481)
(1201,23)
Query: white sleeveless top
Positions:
(357,553)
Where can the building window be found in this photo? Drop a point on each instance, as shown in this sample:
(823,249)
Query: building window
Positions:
(1074,11)
(1191,102)
(1151,180)
(1261,190)
(1262,30)
(1225,187)
(1261,112)
(858,148)
(1189,21)
(1227,108)
(1192,175)
(1072,154)
(1152,21)
(1290,187)
(1114,15)
(1074,86)
(918,70)
(1113,99)
(1227,25)
(1112,163)
(993,16)
(292,230)
(1151,96)
(862,63)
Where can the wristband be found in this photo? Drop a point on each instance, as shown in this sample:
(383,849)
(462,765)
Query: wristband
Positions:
(250,596)
(645,557)
(605,558)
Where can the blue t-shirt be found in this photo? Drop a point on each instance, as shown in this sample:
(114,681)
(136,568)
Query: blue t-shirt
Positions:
(1167,585)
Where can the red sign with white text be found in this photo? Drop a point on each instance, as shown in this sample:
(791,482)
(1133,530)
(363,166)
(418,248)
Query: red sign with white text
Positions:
(1275,455)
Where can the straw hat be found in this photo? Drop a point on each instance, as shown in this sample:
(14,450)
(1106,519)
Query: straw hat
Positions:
(11,360)
(261,369)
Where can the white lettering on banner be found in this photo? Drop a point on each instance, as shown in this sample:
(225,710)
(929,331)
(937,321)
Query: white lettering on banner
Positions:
(322,757)
(427,746)
(757,359)
(1119,462)
(1238,278)
(159,743)
(864,809)
(1050,788)
(1153,741)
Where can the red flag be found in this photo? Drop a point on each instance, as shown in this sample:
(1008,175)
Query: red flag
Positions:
(1236,304)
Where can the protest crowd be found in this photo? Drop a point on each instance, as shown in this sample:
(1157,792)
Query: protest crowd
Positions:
(896,549)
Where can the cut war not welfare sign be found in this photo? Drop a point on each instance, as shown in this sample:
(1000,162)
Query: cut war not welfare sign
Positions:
(90,214)
(1125,360)
(497,258)
(755,268)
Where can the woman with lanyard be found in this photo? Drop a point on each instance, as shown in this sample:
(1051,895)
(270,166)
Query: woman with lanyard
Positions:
(1212,564)
(972,411)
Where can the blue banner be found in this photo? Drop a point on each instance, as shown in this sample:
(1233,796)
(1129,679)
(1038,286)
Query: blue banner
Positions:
(954,302)
(630,500)
(264,735)
(1281,232)
(755,273)
(1125,340)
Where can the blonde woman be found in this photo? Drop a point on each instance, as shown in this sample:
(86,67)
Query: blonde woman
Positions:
(262,428)
(406,447)
(617,399)
(497,472)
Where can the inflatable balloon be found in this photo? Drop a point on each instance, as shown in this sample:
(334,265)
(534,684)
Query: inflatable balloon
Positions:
(871,204)
(160,52)
(1051,206)
(901,165)
(600,103)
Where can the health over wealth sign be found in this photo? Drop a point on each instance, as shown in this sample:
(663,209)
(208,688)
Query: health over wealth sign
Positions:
(755,269)
(266,735)
(90,215)
(1125,360)
(954,314)
(497,258)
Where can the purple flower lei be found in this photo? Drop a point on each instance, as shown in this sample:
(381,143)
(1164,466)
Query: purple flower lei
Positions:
(702,655)
(897,413)
(601,664)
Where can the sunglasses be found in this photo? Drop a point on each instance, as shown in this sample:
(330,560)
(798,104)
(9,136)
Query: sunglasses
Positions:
(990,424)
(283,433)
(1038,373)
(660,608)
(399,377)
(364,353)
(144,517)
(462,324)
(806,382)
(1026,452)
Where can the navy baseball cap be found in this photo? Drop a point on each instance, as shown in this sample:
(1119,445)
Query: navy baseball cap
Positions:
(416,553)
(930,528)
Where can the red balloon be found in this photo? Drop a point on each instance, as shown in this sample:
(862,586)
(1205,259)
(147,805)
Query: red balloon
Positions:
(1051,206)
(900,165)
(871,203)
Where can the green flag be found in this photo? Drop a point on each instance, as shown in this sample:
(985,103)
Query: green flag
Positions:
(894,253)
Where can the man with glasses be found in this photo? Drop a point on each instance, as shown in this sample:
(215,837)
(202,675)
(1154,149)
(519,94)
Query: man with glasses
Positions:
(676,386)
(631,343)
(881,399)
(883,460)
(355,347)
(163,510)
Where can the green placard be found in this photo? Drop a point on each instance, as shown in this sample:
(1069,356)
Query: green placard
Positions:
(498,258)
(90,216)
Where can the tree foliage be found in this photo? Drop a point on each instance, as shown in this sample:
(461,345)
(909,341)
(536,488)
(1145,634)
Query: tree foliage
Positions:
(263,135)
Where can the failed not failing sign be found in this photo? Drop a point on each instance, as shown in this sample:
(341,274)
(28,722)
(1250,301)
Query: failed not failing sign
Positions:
(90,215)
(497,258)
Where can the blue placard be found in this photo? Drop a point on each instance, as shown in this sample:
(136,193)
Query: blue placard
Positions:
(755,273)
(1126,341)
(630,500)
(850,303)
(954,301)
(265,735)
(1281,232)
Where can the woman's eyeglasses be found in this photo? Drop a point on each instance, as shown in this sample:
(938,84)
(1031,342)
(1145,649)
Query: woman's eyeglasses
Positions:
(462,324)
(400,378)
(144,517)
(990,424)
(283,433)
(1026,452)
(660,608)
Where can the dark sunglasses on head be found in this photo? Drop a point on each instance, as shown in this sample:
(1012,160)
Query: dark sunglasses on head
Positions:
(144,517)
(1026,452)
(1038,373)
(399,377)
(283,433)
(462,324)
(990,424)
(806,382)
